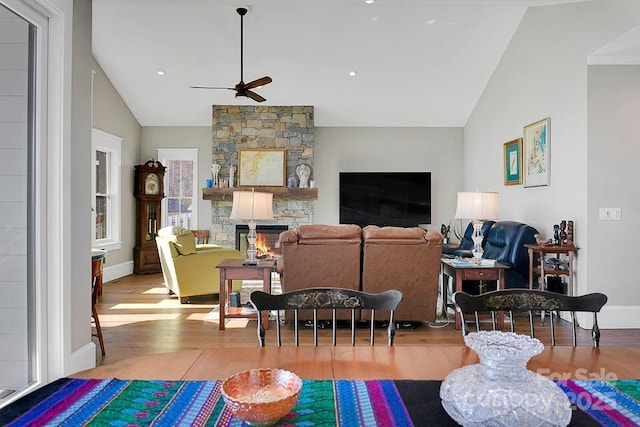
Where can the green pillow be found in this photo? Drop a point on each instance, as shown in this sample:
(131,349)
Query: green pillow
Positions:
(181,237)
(185,244)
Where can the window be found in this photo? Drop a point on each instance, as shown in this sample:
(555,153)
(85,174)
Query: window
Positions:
(180,205)
(106,190)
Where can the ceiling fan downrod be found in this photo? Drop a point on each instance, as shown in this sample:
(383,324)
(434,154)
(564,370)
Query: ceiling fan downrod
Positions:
(241,11)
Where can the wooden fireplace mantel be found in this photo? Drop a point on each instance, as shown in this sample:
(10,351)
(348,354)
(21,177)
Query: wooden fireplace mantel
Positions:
(279,193)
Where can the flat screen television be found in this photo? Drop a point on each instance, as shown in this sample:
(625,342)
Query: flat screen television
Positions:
(400,199)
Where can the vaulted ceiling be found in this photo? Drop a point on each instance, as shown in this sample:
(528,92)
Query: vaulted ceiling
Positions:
(417,62)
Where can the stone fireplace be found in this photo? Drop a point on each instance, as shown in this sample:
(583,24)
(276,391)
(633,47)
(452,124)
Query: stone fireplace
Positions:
(236,128)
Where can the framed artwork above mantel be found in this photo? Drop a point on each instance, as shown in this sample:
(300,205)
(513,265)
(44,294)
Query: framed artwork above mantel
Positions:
(262,167)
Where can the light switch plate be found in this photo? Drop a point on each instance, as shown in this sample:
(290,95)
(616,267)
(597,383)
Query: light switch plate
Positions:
(610,214)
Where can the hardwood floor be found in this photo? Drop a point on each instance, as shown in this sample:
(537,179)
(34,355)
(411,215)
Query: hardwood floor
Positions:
(138,317)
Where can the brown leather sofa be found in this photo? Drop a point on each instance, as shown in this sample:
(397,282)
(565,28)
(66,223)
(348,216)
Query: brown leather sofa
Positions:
(407,259)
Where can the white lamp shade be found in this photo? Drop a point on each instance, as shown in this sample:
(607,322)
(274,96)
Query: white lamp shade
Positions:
(477,206)
(252,205)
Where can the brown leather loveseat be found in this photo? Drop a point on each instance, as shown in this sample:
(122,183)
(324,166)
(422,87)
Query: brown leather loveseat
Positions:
(372,259)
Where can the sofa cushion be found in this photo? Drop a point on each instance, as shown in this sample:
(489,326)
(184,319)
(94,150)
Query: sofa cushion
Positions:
(373,232)
(313,232)
(181,237)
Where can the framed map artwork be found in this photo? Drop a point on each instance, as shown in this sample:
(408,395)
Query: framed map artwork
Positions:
(262,167)
(535,154)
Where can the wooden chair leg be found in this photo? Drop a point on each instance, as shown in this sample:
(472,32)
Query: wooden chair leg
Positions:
(98,333)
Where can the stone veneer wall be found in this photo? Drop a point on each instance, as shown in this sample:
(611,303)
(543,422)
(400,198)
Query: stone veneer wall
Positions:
(240,127)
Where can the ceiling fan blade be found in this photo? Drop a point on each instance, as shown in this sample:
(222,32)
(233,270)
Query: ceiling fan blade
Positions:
(259,82)
(255,96)
(211,87)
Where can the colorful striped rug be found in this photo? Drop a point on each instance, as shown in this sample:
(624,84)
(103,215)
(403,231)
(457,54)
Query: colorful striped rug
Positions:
(114,402)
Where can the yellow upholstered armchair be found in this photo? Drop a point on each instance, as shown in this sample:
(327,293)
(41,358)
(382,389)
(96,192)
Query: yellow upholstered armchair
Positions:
(190,269)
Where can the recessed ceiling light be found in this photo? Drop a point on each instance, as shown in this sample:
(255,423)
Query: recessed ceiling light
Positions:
(369,1)
(353,73)
(160,72)
(430,22)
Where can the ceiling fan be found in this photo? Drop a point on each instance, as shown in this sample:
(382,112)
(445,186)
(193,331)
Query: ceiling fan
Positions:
(242,88)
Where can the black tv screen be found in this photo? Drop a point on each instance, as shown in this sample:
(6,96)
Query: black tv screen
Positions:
(400,199)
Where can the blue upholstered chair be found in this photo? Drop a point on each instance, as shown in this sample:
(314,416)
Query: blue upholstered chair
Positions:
(505,243)
(466,244)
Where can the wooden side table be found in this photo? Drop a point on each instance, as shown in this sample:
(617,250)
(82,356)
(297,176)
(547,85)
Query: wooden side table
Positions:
(461,273)
(542,251)
(233,269)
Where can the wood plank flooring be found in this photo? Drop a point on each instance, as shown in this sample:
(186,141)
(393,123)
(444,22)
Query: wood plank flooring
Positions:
(138,318)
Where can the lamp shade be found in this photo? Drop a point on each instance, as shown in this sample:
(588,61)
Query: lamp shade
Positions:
(477,206)
(252,205)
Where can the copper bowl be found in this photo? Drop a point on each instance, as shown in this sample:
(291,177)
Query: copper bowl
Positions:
(261,396)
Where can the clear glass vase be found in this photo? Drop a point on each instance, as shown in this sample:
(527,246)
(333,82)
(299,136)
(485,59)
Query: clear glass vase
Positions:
(501,391)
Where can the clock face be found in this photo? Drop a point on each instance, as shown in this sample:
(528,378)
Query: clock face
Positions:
(152,184)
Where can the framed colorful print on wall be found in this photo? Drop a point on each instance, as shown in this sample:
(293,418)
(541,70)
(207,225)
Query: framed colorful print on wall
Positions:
(262,167)
(513,162)
(536,154)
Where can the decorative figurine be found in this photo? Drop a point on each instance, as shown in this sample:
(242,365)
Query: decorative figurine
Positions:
(444,230)
(570,233)
(232,176)
(292,181)
(215,172)
(556,234)
(303,171)
(542,242)
(563,232)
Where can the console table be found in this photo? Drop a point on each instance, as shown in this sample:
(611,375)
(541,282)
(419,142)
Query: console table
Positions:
(234,269)
(541,251)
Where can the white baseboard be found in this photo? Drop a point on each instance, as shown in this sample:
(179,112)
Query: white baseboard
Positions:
(114,272)
(619,317)
(82,359)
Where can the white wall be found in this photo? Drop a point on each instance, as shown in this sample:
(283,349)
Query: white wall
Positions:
(80,181)
(435,150)
(614,156)
(112,115)
(543,73)
(154,137)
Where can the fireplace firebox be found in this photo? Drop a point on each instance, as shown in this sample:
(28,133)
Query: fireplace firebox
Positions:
(266,243)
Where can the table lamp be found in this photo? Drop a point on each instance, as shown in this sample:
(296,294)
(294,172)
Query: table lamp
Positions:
(477,207)
(251,205)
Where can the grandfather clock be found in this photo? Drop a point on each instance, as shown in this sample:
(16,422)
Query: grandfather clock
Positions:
(149,192)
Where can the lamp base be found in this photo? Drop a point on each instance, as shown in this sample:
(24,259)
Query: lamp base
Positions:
(477,238)
(250,262)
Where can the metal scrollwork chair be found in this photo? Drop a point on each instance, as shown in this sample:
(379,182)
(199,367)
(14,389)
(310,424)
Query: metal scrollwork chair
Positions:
(527,300)
(334,299)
